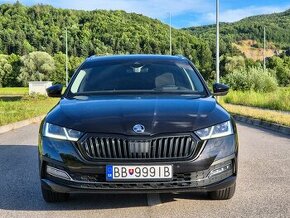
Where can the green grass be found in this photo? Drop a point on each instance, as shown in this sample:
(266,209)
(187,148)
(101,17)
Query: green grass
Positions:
(14,91)
(269,116)
(278,100)
(13,109)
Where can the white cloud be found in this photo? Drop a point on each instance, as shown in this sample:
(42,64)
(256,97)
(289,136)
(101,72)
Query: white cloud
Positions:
(233,15)
(203,10)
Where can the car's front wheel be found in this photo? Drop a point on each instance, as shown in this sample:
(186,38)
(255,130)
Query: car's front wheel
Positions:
(223,194)
(51,196)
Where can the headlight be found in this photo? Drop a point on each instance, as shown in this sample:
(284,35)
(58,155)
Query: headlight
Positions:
(219,130)
(58,132)
(219,148)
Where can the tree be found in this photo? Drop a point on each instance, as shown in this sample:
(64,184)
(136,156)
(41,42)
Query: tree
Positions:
(234,63)
(15,62)
(282,67)
(37,66)
(283,75)
(58,76)
(74,63)
(5,70)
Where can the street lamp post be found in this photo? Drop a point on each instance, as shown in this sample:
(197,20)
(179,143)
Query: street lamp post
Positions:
(66,59)
(170,32)
(264,51)
(217,43)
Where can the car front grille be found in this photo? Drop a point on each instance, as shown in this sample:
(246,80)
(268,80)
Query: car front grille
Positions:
(169,147)
(178,181)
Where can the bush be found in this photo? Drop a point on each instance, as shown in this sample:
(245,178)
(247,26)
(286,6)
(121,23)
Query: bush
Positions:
(235,62)
(252,79)
(37,66)
(283,75)
(5,70)
(282,67)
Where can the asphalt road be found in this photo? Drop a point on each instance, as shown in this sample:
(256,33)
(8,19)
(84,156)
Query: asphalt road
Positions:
(262,188)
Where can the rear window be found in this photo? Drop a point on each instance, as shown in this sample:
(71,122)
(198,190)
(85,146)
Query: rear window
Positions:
(137,76)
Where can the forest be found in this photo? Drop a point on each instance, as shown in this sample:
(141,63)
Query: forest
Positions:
(276,25)
(99,32)
(32,43)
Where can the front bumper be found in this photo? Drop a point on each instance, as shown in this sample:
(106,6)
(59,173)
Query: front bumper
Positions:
(56,187)
(89,177)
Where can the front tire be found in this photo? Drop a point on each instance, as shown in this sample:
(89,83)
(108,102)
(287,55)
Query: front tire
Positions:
(51,196)
(223,194)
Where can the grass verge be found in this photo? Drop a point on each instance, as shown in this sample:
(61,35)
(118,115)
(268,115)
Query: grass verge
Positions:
(14,91)
(13,109)
(278,100)
(265,115)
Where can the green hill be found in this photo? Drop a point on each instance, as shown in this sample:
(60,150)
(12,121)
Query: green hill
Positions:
(41,27)
(277,28)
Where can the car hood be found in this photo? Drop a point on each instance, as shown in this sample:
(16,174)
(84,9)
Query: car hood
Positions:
(118,114)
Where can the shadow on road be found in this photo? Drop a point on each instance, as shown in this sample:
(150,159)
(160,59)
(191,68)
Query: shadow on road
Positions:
(20,187)
(200,196)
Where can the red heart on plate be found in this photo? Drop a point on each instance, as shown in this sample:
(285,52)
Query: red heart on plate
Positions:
(131,171)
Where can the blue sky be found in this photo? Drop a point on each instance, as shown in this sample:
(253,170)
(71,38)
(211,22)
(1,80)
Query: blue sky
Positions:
(184,12)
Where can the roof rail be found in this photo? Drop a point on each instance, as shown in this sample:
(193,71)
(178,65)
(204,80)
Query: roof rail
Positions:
(97,55)
(180,56)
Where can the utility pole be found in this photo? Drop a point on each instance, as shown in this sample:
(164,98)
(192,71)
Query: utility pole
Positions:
(217,43)
(66,59)
(264,52)
(170,36)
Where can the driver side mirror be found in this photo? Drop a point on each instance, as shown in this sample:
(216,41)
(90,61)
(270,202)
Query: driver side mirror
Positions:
(54,91)
(220,89)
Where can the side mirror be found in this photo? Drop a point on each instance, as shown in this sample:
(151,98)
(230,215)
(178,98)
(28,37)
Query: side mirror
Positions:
(54,91)
(220,89)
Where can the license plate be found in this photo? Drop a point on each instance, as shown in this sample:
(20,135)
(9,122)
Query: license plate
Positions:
(139,172)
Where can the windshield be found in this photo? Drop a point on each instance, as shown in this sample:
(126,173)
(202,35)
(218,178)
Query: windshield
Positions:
(137,76)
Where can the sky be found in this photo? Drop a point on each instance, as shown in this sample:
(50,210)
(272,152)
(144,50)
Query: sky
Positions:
(185,13)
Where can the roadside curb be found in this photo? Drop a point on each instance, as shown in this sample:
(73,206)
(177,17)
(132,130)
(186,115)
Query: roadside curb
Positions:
(9,127)
(264,124)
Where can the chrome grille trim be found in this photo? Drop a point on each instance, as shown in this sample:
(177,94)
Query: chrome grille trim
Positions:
(119,147)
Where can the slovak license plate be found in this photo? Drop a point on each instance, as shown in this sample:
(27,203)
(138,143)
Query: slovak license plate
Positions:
(139,172)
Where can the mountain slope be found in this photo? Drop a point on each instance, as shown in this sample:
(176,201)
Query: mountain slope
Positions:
(277,29)
(41,27)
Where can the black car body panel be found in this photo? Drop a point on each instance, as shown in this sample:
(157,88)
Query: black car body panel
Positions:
(113,115)
(120,113)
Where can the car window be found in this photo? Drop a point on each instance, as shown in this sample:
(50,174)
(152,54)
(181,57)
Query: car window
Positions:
(137,76)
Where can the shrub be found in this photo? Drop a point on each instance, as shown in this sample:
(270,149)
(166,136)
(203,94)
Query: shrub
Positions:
(282,67)
(235,62)
(37,66)
(5,70)
(283,75)
(252,79)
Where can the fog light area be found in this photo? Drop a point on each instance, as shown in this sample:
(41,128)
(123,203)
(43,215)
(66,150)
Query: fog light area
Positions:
(57,173)
(219,170)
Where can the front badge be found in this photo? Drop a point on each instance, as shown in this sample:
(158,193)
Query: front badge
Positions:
(138,128)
